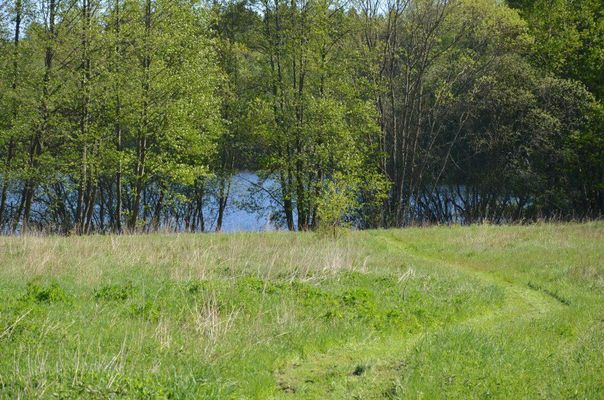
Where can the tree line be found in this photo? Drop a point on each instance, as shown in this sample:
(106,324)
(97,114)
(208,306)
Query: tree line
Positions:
(133,115)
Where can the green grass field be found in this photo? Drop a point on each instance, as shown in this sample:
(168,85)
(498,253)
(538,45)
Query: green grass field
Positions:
(447,312)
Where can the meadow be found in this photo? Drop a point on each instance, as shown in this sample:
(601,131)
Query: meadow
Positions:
(506,312)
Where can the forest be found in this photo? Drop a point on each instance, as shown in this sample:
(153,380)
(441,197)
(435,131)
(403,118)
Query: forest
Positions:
(133,115)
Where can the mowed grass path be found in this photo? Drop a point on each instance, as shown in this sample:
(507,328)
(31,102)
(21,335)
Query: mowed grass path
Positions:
(443,312)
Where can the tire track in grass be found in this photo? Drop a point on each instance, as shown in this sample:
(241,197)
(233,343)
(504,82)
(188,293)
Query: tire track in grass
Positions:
(366,369)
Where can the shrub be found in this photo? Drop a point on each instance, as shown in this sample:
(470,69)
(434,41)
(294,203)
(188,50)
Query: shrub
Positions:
(53,293)
(115,292)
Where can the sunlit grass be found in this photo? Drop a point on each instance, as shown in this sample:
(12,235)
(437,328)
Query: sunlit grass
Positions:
(455,312)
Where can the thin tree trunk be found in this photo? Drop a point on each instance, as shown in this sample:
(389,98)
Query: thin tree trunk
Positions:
(101,209)
(118,123)
(158,210)
(11,142)
(20,209)
(142,142)
(84,117)
(36,144)
(81,189)
(287,203)
(90,208)
(223,198)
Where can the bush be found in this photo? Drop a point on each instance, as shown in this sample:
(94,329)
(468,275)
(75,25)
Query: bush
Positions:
(115,292)
(53,293)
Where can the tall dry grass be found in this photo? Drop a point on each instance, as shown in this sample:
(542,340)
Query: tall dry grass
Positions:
(182,256)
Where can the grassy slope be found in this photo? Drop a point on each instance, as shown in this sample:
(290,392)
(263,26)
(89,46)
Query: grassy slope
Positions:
(473,312)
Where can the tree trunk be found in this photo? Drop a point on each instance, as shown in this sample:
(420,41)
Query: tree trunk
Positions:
(90,207)
(223,198)
(79,220)
(118,123)
(158,209)
(36,144)
(142,141)
(11,142)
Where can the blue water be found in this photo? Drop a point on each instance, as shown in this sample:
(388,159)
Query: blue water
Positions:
(240,215)
(252,204)
(249,206)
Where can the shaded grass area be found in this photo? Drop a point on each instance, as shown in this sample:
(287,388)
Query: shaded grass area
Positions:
(460,312)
